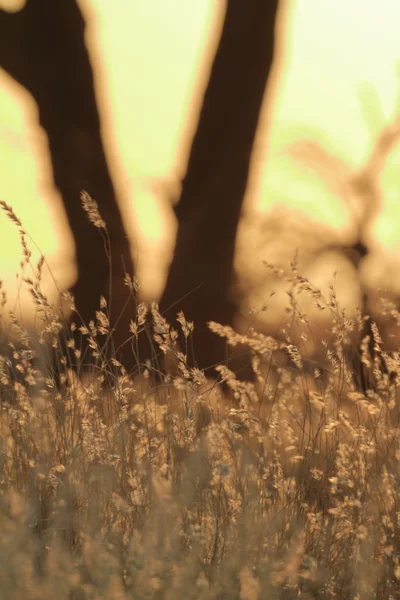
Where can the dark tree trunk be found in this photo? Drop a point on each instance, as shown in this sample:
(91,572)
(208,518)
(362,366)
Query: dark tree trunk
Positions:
(209,210)
(363,377)
(43,48)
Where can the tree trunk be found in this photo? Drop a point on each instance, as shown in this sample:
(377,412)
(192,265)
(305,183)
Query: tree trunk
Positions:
(43,48)
(209,210)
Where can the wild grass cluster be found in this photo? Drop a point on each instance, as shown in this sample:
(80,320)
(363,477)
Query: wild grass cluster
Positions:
(183,486)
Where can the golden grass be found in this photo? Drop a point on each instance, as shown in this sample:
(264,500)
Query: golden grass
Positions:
(285,488)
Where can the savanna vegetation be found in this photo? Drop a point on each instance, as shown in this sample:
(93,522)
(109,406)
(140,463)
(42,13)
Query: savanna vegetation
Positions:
(162,482)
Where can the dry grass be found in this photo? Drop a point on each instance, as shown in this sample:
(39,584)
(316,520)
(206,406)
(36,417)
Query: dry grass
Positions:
(288,488)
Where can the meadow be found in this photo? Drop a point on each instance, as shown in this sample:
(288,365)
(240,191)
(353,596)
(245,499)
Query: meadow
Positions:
(168,484)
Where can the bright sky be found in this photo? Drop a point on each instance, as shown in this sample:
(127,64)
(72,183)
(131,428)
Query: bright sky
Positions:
(154,57)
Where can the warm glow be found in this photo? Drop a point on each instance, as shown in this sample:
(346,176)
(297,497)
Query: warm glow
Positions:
(151,64)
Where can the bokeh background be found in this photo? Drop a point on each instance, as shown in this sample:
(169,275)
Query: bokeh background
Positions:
(336,83)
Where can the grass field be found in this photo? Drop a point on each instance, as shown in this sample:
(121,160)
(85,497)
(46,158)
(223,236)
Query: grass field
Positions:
(285,488)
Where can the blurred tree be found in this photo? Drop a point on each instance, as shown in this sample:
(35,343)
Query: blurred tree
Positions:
(360,191)
(201,275)
(42,47)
